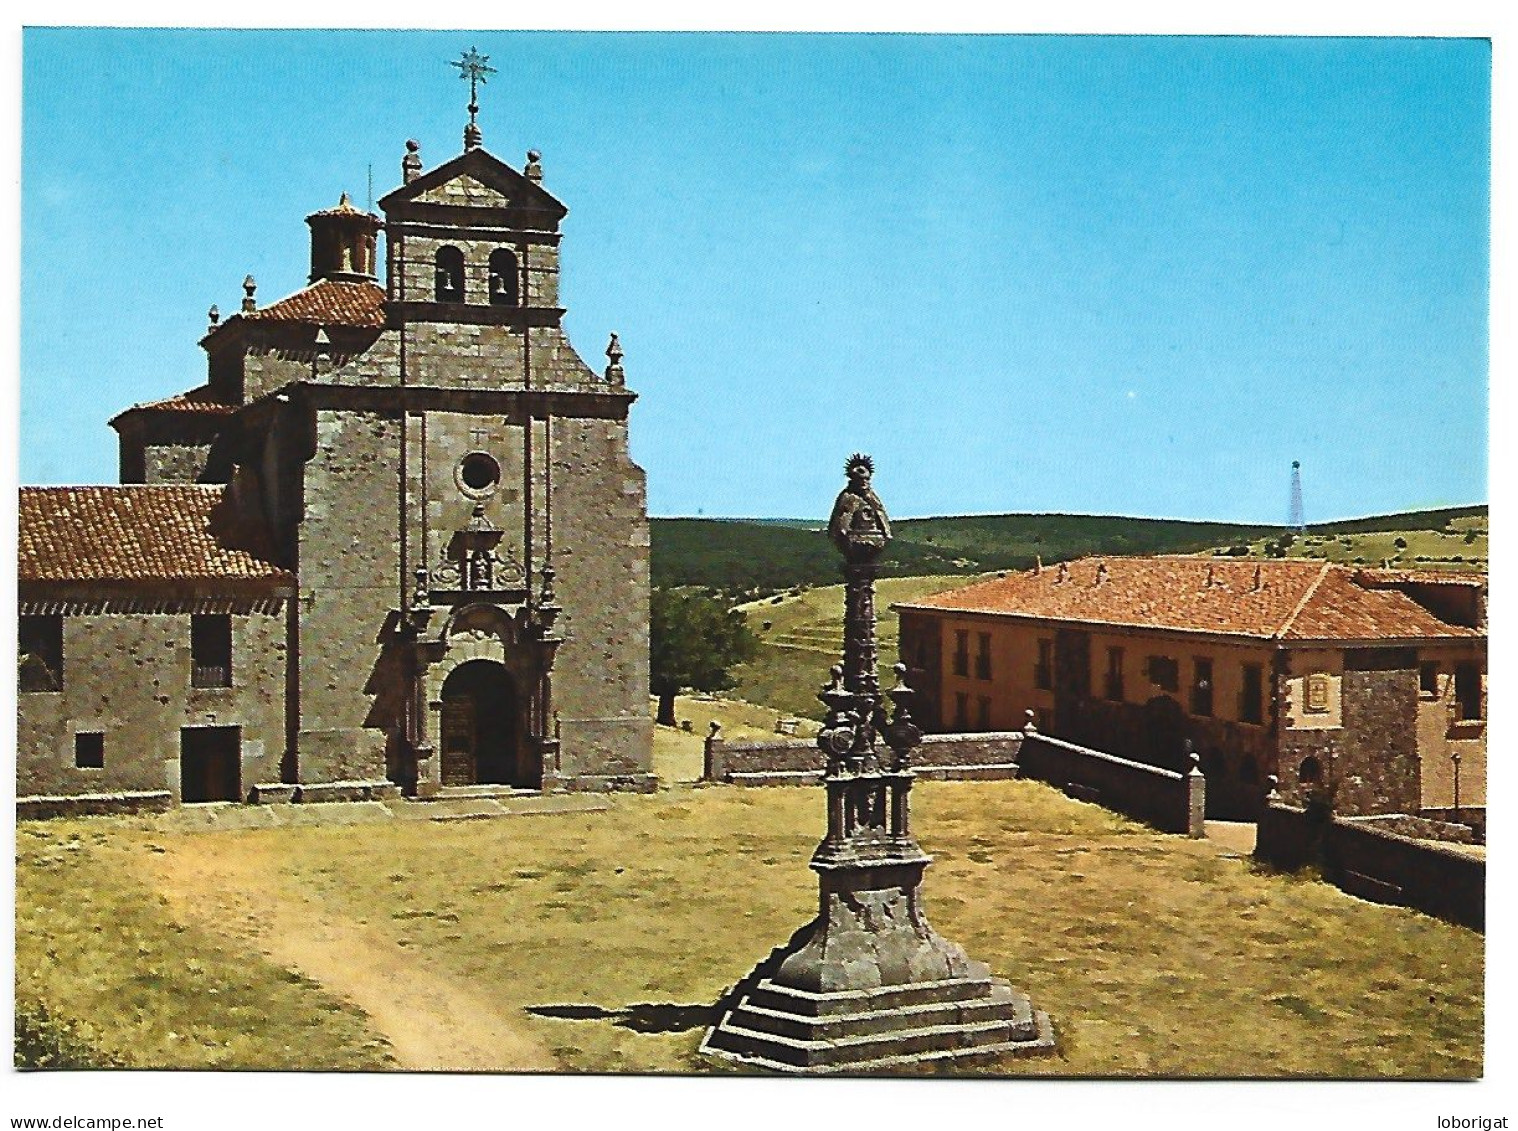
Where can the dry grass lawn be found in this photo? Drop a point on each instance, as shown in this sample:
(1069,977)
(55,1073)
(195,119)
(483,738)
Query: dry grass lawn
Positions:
(602,939)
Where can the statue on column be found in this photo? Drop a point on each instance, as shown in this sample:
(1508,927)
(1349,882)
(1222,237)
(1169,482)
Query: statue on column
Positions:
(859,526)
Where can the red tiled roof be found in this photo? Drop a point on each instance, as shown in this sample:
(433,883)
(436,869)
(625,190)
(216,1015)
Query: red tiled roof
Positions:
(131,533)
(328,302)
(1296,600)
(196,401)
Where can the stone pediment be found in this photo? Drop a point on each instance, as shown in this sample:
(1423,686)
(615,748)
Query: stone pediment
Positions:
(475,179)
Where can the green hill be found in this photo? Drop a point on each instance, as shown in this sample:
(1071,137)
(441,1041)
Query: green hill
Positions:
(759,556)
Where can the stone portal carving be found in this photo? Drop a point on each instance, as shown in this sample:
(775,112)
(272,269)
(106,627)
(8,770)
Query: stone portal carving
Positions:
(868,985)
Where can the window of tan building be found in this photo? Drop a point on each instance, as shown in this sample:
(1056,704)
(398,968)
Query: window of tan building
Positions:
(1428,679)
(1113,688)
(1252,694)
(1201,686)
(1164,672)
(983,656)
(1468,692)
(961,711)
(1043,671)
(983,712)
(961,652)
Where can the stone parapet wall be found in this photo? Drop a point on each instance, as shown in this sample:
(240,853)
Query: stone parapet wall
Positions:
(1171,801)
(786,761)
(40,808)
(1376,864)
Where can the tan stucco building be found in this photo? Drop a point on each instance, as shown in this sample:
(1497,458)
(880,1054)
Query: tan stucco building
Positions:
(1361,683)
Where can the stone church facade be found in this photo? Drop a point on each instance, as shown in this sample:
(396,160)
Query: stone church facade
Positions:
(395,537)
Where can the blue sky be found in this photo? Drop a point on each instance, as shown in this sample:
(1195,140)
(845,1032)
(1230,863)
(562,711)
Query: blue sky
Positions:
(1115,275)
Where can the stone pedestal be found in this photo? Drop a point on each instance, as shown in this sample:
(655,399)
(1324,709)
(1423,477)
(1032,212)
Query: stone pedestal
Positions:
(868,985)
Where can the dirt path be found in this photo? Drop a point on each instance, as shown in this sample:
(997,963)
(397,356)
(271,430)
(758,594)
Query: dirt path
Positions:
(432,1022)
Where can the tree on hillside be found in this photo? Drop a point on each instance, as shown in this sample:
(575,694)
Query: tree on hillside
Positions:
(693,640)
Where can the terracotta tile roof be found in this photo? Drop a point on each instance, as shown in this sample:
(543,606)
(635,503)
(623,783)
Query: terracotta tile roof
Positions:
(1373,576)
(1298,600)
(196,401)
(328,302)
(131,533)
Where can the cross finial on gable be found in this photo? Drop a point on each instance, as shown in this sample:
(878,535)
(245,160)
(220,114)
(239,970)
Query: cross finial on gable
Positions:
(474,67)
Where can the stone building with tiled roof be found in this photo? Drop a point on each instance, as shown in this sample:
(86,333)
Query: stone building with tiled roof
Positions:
(394,538)
(1367,684)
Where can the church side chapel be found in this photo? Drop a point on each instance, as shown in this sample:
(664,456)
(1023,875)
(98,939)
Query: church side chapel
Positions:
(394,542)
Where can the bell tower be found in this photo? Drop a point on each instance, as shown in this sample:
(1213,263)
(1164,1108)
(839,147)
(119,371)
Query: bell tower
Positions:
(343,243)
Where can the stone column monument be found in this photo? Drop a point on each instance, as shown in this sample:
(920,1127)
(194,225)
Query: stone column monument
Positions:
(868,985)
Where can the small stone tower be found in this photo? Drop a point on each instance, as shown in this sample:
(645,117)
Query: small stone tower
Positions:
(343,243)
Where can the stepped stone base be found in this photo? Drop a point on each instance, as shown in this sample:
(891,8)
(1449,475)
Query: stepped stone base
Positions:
(870,987)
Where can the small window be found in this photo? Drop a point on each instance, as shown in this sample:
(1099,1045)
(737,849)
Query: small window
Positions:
(1251,695)
(1114,683)
(504,278)
(983,656)
(89,750)
(1428,678)
(983,712)
(1043,671)
(1201,687)
(961,711)
(1165,673)
(211,651)
(1467,692)
(961,652)
(1317,693)
(39,660)
(1310,771)
(449,276)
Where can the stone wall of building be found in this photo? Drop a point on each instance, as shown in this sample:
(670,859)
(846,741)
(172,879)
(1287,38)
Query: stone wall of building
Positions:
(127,676)
(349,562)
(1368,763)
(602,557)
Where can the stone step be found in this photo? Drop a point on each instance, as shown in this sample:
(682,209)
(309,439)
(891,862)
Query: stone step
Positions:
(859,1050)
(787,999)
(1005,1007)
(477,792)
(1041,1045)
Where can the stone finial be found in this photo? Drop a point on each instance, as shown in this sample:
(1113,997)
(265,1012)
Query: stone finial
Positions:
(714,730)
(1193,759)
(1038,565)
(1259,577)
(411,164)
(249,303)
(421,595)
(1063,573)
(1030,724)
(614,371)
(213,316)
(534,170)
(1272,788)
(1101,572)
(1212,575)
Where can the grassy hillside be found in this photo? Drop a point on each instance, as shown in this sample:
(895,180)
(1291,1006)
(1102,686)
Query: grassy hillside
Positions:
(801,637)
(738,556)
(743,556)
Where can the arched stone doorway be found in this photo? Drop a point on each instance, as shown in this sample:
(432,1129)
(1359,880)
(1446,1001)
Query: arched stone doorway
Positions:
(480,739)
(1165,734)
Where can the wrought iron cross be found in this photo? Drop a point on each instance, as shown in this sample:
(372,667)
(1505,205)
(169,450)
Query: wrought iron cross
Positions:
(474,67)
